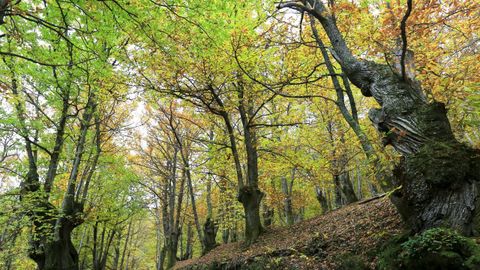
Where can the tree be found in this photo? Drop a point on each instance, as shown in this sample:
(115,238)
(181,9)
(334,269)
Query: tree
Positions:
(435,167)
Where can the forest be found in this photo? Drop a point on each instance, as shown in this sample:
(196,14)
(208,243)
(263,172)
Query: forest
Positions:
(216,134)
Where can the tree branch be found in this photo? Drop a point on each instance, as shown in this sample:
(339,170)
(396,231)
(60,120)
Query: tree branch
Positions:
(403,26)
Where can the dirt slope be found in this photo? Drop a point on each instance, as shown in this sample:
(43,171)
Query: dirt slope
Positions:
(357,229)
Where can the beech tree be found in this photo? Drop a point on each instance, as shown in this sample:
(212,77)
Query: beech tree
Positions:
(435,169)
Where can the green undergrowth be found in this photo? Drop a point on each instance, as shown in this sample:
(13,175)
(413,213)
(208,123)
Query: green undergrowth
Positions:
(437,248)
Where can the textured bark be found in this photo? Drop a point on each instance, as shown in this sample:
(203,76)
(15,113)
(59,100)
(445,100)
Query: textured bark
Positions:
(439,187)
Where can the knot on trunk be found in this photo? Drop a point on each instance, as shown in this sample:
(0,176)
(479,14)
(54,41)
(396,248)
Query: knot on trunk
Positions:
(408,130)
(250,195)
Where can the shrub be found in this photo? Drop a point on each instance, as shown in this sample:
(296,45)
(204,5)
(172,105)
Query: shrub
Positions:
(437,248)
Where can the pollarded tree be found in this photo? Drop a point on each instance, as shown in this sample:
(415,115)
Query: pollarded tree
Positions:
(437,177)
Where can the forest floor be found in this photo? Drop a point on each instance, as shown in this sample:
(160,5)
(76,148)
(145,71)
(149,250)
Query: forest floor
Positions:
(351,234)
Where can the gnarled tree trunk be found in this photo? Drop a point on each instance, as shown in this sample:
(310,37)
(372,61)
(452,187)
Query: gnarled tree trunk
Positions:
(438,177)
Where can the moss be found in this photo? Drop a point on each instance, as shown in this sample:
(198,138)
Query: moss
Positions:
(440,163)
(436,248)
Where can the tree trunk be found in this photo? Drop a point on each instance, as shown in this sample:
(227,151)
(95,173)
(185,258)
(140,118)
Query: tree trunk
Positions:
(250,199)
(125,246)
(103,261)
(267,215)
(438,177)
(300,215)
(189,243)
(225,234)
(60,254)
(171,250)
(346,188)
(322,199)
(287,201)
(161,259)
(250,195)
(234,234)
(50,246)
(210,233)
(116,249)
(338,193)
(194,208)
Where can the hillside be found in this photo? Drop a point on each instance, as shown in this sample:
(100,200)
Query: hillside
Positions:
(349,234)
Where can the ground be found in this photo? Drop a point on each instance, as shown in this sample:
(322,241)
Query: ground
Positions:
(352,234)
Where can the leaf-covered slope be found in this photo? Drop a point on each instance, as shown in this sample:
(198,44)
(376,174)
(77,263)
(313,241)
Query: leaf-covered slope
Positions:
(354,232)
